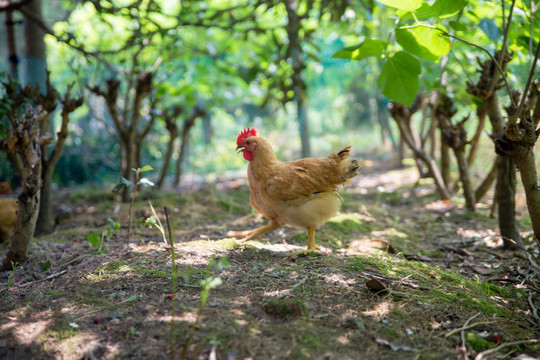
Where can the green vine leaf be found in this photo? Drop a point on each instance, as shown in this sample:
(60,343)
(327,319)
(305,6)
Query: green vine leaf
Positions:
(399,78)
(370,47)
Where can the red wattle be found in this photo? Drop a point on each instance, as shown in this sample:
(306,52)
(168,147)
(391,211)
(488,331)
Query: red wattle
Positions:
(248,155)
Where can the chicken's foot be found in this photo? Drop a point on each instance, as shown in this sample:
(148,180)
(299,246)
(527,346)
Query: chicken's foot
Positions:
(311,248)
(252,234)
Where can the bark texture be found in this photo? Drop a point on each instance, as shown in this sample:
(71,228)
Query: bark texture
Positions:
(23,138)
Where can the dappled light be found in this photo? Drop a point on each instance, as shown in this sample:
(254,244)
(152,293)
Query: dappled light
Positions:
(288,179)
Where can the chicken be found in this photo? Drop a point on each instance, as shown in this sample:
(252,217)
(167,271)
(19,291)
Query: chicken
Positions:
(8,217)
(301,193)
(4,188)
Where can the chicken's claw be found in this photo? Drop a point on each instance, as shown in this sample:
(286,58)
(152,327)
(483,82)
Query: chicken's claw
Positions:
(252,234)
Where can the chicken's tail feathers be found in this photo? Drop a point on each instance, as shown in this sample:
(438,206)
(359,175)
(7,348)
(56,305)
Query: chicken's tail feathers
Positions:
(348,167)
(344,153)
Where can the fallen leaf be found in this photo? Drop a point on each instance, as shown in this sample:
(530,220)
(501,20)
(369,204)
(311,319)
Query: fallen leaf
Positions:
(376,286)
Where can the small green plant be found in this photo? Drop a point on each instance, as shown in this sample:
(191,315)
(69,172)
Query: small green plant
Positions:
(97,239)
(13,276)
(207,284)
(125,183)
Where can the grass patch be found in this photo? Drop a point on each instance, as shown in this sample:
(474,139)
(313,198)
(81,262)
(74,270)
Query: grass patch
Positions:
(348,223)
(225,244)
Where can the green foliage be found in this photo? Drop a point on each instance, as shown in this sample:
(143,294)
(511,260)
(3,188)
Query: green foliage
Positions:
(370,47)
(98,239)
(424,42)
(399,77)
(13,276)
(421,31)
(407,5)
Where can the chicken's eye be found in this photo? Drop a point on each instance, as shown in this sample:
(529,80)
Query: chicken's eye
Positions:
(248,142)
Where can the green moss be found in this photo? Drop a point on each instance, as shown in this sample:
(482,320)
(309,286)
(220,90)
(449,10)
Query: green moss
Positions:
(55,294)
(61,330)
(285,308)
(117,267)
(348,223)
(307,344)
(153,273)
(477,343)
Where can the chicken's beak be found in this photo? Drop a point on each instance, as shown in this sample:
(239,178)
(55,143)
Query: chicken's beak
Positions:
(239,149)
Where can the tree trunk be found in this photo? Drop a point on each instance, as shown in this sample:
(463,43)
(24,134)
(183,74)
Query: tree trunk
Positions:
(384,122)
(399,112)
(35,51)
(26,131)
(188,124)
(475,142)
(167,159)
(303,124)
(170,125)
(529,178)
(294,53)
(505,189)
(505,196)
(49,162)
(12,48)
(486,184)
(445,162)
(465,177)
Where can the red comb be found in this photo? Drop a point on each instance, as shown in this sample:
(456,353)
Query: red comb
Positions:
(245,134)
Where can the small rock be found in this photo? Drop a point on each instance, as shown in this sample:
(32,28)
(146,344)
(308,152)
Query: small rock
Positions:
(115,321)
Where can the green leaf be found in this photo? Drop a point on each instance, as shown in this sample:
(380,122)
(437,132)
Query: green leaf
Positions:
(424,42)
(121,184)
(93,239)
(458,26)
(370,47)
(490,29)
(45,266)
(447,8)
(145,168)
(407,5)
(399,78)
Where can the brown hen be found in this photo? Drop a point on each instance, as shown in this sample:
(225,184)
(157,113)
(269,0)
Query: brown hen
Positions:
(301,193)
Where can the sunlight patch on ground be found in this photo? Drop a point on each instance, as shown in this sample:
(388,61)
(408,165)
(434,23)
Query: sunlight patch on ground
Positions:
(380,310)
(337,279)
(391,232)
(487,237)
(189,317)
(366,246)
(26,333)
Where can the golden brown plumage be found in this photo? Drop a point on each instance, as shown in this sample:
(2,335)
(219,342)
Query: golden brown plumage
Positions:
(301,193)
(8,217)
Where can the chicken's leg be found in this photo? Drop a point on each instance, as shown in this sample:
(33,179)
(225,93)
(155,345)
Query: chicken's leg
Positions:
(252,234)
(311,247)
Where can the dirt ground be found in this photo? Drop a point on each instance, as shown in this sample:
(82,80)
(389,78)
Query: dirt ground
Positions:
(400,275)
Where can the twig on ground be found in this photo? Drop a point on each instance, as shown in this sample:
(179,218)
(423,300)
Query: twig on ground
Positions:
(481,355)
(467,327)
(533,308)
(52,276)
(288,291)
(463,347)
